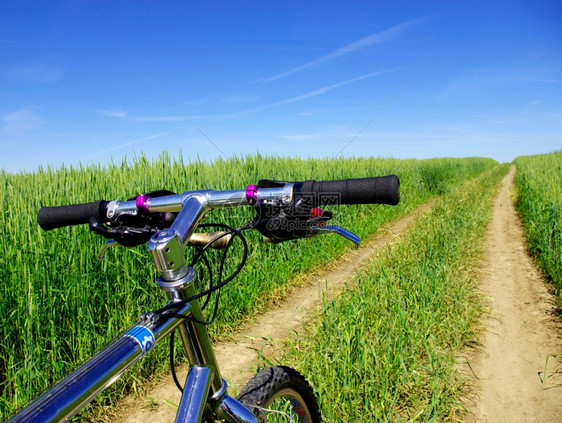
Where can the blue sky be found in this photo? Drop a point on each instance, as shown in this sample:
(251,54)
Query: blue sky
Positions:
(91,81)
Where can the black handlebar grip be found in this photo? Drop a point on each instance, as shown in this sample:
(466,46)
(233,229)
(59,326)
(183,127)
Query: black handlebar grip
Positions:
(75,214)
(375,190)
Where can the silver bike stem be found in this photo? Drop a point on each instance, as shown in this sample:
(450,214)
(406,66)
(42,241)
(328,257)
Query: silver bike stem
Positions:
(177,279)
(167,246)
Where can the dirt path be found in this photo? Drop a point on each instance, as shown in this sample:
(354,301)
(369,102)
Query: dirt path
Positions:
(238,357)
(521,331)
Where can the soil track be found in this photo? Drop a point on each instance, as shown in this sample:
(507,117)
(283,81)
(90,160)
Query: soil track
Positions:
(522,335)
(239,357)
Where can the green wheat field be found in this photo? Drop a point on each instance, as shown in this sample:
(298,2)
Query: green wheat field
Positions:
(383,351)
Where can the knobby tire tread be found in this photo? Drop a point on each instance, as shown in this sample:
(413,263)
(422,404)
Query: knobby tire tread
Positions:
(264,385)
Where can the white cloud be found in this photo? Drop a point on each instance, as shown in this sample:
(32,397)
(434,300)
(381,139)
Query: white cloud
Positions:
(483,78)
(240,98)
(21,121)
(36,73)
(297,137)
(377,38)
(114,113)
(124,115)
(155,118)
(328,88)
(545,81)
(320,91)
(314,93)
(129,143)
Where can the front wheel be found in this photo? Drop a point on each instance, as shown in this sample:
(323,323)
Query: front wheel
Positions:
(280,394)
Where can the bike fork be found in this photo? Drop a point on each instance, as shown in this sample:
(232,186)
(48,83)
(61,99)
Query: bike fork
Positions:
(196,397)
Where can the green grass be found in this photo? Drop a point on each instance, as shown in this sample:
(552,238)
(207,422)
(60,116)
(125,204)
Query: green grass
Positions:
(385,349)
(539,188)
(60,304)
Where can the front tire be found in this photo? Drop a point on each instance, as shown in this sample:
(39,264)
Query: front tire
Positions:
(280,394)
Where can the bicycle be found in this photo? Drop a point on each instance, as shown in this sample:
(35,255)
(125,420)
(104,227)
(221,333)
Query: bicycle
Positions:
(167,222)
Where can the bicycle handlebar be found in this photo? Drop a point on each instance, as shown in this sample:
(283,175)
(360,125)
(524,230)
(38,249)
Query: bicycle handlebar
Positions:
(373,190)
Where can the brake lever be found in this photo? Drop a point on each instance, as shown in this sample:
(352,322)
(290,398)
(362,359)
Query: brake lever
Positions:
(335,229)
(106,246)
